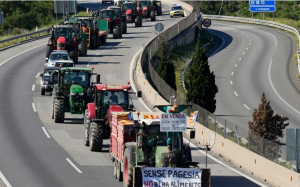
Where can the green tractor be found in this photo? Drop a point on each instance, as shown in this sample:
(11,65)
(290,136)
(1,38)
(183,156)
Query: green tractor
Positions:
(72,91)
(83,45)
(118,11)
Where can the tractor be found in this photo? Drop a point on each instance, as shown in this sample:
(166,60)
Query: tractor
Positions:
(64,37)
(157,5)
(83,45)
(114,22)
(108,99)
(133,13)
(71,92)
(90,28)
(148,11)
(118,12)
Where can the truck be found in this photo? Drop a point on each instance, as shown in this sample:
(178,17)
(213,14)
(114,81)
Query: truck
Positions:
(139,149)
(108,98)
(71,92)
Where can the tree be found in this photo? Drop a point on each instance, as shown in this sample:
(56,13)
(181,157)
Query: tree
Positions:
(200,82)
(266,125)
(166,69)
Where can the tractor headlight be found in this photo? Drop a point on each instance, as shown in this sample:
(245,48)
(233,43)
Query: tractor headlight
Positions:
(80,93)
(73,93)
(46,82)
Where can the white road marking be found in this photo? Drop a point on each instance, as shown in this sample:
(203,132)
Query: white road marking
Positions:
(121,40)
(250,40)
(45,131)
(145,28)
(37,75)
(242,33)
(247,36)
(236,93)
(234,31)
(33,86)
(7,184)
(243,53)
(232,73)
(159,18)
(231,82)
(33,106)
(240,59)
(249,43)
(70,162)
(20,54)
(225,165)
(247,107)
(91,61)
(235,65)
(247,48)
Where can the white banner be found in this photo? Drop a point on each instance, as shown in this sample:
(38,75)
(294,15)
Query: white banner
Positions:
(171,177)
(173,122)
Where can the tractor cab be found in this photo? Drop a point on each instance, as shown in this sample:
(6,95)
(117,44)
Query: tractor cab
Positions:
(117,10)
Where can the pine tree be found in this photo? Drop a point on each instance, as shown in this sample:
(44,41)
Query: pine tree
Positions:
(266,125)
(200,82)
(166,69)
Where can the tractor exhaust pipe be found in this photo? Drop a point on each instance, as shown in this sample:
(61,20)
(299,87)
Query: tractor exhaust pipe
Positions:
(98,79)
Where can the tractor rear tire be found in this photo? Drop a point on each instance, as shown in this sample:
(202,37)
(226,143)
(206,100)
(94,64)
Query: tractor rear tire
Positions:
(86,128)
(92,42)
(85,47)
(124,29)
(81,48)
(116,33)
(97,41)
(152,15)
(103,39)
(137,21)
(127,171)
(158,10)
(42,91)
(59,110)
(120,27)
(74,54)
(49,49)
(141,21)
(96,137)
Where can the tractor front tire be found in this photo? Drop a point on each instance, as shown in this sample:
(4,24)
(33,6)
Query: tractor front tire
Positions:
(96,137)
(152,15)
(86,128)
(137,21)
(59,110)
(116,33)
(159,11)
(42,91)
(124,29)
(49,49)
(103,39)
(74,54)
(127,171)
(81,48)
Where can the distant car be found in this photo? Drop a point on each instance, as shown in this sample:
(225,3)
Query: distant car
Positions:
(45,84)
(105,1)
(176,10)
(64,63)
(57,55)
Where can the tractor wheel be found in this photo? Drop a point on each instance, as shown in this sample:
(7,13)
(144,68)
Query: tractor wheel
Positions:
(81,48)
(86,128)
(120,27)
(96,137)
(127,171)
(49,49)
(59,110)
(115,168)
(152,15)
(159,11)
(74,54)
(137,21)
(42,91)
(97,41)
(141,21)
(119,172)
(85,47)
(124,29)
(52,111)
(103,39)
(92,42)
(116,33)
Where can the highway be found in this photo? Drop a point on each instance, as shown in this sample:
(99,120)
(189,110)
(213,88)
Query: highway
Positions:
(37,152)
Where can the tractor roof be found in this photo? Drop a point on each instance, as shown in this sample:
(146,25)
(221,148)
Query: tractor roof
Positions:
(113,87)
(63,26)
(114,7)
(151,119)
(63,69)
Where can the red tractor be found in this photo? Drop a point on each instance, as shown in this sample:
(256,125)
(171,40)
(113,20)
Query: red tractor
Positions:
(64,37)
(148,11)
(133,13)
(108,98)
(114,22)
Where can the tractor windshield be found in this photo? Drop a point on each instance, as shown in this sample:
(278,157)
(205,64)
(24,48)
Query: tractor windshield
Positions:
(71,77)
(108,14)
(129,6)
(59,57)
(62,32)
(159,137)
(118,12)
(145,3)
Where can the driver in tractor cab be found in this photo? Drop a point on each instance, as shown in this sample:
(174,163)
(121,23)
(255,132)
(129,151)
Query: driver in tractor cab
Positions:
(113,98)
(77,79)
(84,27)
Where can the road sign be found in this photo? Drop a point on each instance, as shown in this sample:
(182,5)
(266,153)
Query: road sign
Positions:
(206,22)
(174,122)
(1,18)
(159,27)
(262,6)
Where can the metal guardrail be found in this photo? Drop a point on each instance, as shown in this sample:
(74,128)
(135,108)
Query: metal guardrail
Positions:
(26,36)
(261,22)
